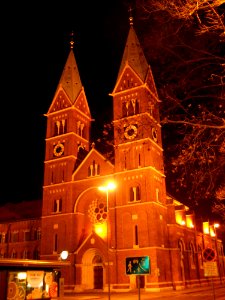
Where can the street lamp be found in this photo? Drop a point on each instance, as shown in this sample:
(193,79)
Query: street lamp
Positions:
(106,188)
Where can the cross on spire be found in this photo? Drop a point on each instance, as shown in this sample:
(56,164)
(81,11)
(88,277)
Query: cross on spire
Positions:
(130,16)
(71,40)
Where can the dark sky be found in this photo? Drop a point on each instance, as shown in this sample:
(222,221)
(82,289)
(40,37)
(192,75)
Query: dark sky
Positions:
(34,48)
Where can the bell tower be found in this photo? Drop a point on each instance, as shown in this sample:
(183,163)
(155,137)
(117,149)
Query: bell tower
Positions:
(140,209)
(137,129)
(67,143)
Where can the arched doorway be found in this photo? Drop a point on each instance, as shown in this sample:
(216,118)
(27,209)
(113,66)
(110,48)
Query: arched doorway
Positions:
(98,272)
(93,270)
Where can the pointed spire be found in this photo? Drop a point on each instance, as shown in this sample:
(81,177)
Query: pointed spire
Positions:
(133,54)
(70,78)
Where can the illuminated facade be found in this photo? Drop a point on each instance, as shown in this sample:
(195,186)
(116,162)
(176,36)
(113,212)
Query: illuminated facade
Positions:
(141,218)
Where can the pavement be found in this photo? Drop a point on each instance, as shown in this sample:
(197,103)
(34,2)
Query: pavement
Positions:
(92,295)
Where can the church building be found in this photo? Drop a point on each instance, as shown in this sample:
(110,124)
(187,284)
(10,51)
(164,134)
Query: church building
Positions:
(132,234)
(116,220)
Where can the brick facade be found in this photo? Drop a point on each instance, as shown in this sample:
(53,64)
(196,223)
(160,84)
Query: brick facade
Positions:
(141,218)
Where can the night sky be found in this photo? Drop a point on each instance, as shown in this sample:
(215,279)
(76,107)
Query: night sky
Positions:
(34,48)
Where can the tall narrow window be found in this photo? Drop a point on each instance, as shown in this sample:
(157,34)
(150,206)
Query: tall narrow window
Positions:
(13,254)
(135,194)
(93,169)
(125,161)
(3,238)
(192,255)
(139,160)
(36,254)
(157,194)
(57,205)
(15,237)
(56,242)
(200,257)
(26,235)
(136,235)
(39,234)
(25,253)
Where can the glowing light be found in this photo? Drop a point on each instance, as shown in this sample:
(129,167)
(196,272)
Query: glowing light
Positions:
(179,217)
(205,227)
(64,255)
(189,221)
(101,230)
(22,275)
(216,225)
(109,187)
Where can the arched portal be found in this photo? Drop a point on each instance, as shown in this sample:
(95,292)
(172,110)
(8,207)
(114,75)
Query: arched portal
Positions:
(93,270)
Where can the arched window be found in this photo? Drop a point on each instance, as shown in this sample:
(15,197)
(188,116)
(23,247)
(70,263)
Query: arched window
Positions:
(93,169)
(25,253)
(57,205)
(192,255)
(135,194)
(200,257)
(13,254)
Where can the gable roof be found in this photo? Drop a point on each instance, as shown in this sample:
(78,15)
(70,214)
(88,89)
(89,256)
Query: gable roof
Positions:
(105,165)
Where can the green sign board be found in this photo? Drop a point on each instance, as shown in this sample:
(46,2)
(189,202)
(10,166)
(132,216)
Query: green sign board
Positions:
(137,265)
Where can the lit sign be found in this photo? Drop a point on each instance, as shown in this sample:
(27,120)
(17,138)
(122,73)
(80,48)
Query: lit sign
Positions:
(137,265)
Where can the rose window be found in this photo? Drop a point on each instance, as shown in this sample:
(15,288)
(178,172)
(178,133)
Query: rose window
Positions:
(98,212)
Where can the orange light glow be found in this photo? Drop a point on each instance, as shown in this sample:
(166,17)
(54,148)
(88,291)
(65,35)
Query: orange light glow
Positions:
(189,221)
(101,229)
(212,230)
(110,186)
(180,217)
(205,226)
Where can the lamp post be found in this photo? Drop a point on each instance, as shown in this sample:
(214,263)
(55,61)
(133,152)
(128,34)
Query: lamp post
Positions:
(106,188)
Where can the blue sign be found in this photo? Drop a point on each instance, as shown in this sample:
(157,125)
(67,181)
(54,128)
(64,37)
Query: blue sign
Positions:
(137,265)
